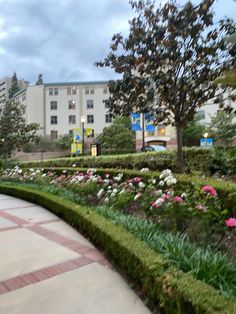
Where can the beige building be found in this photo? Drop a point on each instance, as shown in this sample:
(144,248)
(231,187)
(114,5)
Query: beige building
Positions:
(5,84)
(58,107)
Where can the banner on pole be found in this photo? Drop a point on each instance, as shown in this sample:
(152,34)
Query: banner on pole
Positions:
(149,122)
(135,121)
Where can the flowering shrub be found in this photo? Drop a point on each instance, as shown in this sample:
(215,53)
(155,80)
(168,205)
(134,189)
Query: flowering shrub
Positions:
(196,211)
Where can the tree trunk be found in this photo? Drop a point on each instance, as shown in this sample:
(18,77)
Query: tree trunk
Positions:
(180,155)
(5,160)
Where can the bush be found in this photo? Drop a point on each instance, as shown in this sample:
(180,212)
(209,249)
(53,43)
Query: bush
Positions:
(207,161)
(167,287)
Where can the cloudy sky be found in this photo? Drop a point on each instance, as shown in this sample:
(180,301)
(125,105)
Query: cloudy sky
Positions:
(63,38)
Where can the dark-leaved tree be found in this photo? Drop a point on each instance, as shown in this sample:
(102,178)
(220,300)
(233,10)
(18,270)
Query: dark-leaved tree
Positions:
(39,80)
(168,62)
(14,132)
(14,88)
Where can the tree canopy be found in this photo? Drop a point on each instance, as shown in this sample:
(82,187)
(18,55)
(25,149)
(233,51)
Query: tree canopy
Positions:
(14,132)
(39,80)
(169,61)
(14,86)
(118,136)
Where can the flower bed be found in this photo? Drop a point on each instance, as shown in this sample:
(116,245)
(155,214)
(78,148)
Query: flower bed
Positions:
(168,288)
(195,212)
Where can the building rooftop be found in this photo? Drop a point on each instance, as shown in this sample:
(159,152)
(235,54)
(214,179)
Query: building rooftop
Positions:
(76,83)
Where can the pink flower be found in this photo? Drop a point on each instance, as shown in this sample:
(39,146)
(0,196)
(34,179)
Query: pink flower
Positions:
(178,199)
(210,190)
(231,222)
(165,196)
(158,202)
(137,179)
(201,208)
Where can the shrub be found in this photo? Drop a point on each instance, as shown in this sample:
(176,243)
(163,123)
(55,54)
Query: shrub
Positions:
(167,287)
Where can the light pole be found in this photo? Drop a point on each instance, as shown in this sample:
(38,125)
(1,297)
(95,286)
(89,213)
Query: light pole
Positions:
(82,119)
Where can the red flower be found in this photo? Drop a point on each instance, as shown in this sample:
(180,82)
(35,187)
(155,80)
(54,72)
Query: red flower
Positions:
(231,222)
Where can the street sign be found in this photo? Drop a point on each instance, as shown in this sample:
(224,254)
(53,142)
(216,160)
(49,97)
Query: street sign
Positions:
(206,142)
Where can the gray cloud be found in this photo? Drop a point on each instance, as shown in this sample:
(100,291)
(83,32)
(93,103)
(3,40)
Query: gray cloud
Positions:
(63,38)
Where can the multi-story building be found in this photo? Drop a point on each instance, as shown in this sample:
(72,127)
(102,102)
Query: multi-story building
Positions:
(5,84)
(58,107)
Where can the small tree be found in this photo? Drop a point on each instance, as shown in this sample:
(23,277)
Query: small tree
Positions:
(118,136)
(39,80)
(222,128)
(14,86)
(14,132)
(168,62)
(193,132)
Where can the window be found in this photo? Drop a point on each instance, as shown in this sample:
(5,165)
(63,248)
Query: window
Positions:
(23,97)
(73,90)
(105,102)
(108,118)
(90,118)
(68,90)
(53,119)
(71,104)
(91,91)
(201,114)
(86,91)
(54,134)
(53,91)
(72,119)
(53,105)
(105,91)
(89,104)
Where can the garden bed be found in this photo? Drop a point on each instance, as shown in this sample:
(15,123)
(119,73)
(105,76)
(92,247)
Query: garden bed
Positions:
(167,287)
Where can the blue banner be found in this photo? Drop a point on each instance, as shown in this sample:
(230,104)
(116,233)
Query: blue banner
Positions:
(135,121)
(149,122)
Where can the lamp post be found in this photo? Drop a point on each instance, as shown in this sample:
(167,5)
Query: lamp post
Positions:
(205,135)
(82,119)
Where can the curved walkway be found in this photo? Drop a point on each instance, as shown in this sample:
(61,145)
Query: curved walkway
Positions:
(48,267)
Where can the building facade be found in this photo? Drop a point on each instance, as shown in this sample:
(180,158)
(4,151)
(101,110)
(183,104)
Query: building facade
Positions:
(5,84)
(58,107)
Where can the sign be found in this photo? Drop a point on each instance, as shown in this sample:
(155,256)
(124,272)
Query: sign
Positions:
(206,142)
(76,148)
(149,122)
(135,121)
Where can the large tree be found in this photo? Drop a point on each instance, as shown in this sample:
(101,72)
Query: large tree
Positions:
(168,62)
(14,132)
(14,88)
(118,136)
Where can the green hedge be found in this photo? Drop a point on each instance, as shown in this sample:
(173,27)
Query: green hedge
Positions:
(167,287)
(196,159)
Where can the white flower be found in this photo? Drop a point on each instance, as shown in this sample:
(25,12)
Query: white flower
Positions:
(131,184)
(44,175)
(168,181)
(74,165)
(161,183)
(173,181)
(106,200)
(137,196)
(122,191)
(141,185)
(100,192)
(91,170)
(118,177)
(184,195)
(144,170)
(115,191)
(20,171)
(64,171)
(31,170)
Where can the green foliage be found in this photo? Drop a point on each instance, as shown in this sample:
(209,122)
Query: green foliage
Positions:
(44,144)
(64,142)
(192,133)
(118,136)
(14,87)
(177,58)
(168,288)
(222,128)
(14,132)
(39,80)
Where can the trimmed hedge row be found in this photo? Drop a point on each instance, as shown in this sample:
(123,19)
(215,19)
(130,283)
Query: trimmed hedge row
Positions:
(225,189)
(196,159)
(167,287)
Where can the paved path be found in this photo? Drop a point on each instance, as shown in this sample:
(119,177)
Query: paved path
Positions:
(47,267)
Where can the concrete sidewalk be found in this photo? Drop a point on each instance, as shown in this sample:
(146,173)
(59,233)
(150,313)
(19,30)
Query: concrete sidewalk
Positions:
(47,267)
